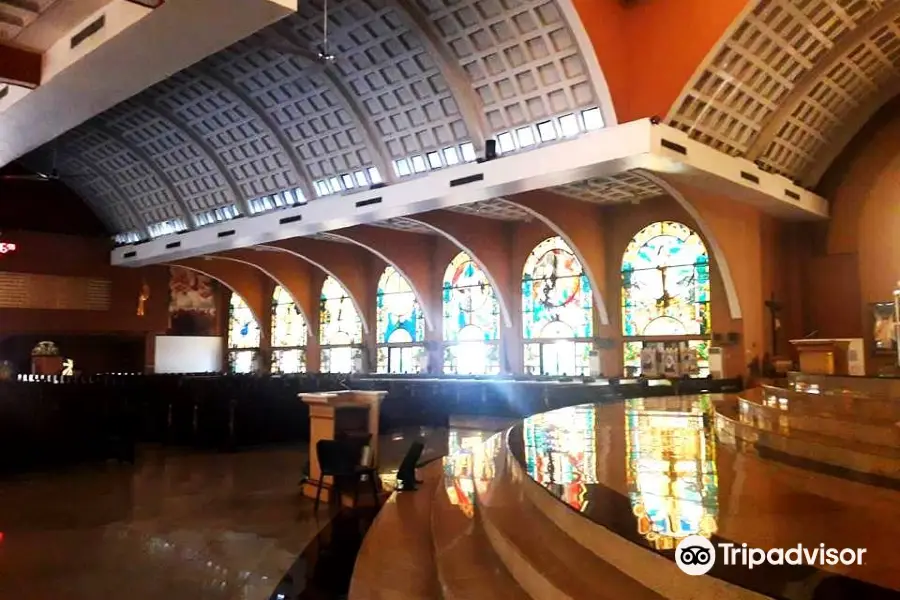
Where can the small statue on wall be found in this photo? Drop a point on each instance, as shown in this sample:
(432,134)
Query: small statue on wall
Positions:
(142,298)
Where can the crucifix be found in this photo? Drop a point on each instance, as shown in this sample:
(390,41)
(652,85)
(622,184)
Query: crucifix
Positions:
(774,308)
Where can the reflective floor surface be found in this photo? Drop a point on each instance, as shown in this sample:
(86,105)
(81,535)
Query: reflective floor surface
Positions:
(652,471)
(182,526)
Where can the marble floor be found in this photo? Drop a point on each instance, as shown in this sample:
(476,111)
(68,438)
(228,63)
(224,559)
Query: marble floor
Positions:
(178,525)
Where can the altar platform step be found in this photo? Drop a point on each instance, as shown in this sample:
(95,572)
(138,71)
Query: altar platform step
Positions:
(543,559)
(875,410)
(396,560)
(853,422)
(873,387)
(858,457)
(467,566)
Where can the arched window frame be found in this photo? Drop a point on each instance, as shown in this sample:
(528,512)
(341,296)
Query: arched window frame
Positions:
(400,325)
(338,319)
(478,327)
(243,336)
(289,335)
(556,298)
(660,352)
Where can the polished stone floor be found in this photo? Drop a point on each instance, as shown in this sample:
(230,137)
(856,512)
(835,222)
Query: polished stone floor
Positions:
(178,525)
(653,472)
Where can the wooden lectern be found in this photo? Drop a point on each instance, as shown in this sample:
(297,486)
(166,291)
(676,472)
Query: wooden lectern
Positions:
(823,357)
(335,413)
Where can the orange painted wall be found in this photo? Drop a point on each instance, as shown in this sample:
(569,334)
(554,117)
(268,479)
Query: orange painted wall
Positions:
(856,258)
(53,254)
(648,51)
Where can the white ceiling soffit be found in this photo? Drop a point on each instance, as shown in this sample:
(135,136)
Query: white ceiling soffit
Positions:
(791,82)
(603,153)
(131,49)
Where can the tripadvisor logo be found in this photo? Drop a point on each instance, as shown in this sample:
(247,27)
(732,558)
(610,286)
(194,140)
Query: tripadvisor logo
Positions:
(696,555)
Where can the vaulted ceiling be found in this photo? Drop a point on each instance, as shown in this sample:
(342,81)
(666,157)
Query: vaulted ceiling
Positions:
(414,85)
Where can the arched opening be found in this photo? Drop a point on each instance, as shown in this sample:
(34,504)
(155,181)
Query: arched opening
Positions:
(340,329)
(400,325)
(666,302)
(471,319)
(243,336)
(289,334)
(557,311)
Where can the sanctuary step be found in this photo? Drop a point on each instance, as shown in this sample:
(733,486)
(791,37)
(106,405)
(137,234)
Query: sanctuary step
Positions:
(863,458)
(846,406)
(855,420)
(875,387)
(543,559)
(397,559)
(467,567)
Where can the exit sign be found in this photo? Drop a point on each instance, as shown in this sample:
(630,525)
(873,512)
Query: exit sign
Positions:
(7,247)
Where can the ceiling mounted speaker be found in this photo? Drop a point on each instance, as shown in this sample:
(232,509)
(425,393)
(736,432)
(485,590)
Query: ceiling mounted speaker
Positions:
(148,3)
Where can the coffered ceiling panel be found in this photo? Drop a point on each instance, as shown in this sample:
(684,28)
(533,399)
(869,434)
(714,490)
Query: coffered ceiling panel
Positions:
(793,81)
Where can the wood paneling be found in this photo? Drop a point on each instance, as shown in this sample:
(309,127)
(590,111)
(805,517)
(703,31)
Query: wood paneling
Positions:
(54,292)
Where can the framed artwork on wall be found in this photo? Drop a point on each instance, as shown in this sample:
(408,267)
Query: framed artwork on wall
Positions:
(884,338)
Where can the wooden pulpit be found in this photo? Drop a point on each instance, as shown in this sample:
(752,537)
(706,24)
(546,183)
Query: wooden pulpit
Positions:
(332,414)
(823,357)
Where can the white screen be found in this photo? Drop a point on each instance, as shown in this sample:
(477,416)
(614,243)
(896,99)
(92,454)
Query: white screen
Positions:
(188,354)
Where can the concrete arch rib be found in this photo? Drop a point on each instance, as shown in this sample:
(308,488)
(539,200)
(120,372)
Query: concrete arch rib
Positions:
(309,328)
(595,284)
(196,269)
(426,309)
(734,304)
(467,101)
(190,219)
(329,272)
(303,175)
(202,144)
(598,79)
(501,298)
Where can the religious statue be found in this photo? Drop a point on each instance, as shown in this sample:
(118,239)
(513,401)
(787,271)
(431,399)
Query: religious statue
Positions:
(142,298)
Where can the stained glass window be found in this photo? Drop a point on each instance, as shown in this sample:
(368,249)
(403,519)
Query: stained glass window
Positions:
(289,334)
(400,325)
(665,294)
(471,319)
(557,310)
(665,282)
(243,336)
(340,328)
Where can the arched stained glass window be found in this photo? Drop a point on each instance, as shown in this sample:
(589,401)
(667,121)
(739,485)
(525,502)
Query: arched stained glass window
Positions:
(557,311)
(340,328)
(243,336)
(471,319)
(401,325)
(665,301)
(289,334)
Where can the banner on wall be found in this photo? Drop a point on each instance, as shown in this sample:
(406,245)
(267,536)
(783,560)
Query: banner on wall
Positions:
(192,303)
